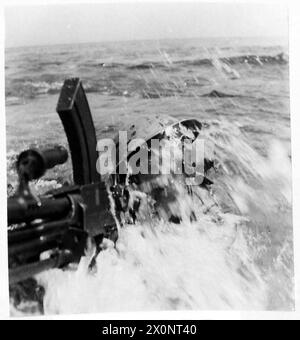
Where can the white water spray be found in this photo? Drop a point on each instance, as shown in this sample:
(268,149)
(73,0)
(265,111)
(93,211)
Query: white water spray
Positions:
(237,255)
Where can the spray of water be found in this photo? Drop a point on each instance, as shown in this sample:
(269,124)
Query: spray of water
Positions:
(237,253)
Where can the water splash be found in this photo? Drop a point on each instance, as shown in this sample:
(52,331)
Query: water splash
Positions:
(237,255)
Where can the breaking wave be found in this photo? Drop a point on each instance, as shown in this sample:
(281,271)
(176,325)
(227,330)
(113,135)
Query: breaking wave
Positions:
(235,60)
(237,254)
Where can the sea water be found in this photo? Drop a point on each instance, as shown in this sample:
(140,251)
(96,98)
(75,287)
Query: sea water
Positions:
(238,255)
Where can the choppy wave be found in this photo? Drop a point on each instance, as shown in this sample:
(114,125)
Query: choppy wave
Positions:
(219,94)
(120,79)
(97,64)
(280,59)
(137,88)
(30,89)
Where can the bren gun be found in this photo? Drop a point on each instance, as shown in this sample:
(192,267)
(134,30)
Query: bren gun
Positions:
(60,222)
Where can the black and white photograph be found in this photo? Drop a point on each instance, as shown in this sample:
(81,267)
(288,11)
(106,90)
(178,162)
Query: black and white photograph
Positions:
(148,158)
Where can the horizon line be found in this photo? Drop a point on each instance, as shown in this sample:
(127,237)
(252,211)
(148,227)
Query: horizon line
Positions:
(148,39)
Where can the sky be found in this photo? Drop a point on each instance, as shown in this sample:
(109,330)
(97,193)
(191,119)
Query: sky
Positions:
(80,23)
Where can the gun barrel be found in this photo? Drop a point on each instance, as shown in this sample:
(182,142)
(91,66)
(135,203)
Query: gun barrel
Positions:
(20,211)
(33,163)
(26,233)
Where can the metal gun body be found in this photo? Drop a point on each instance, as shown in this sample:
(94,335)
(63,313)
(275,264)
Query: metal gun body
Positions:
(60,221)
